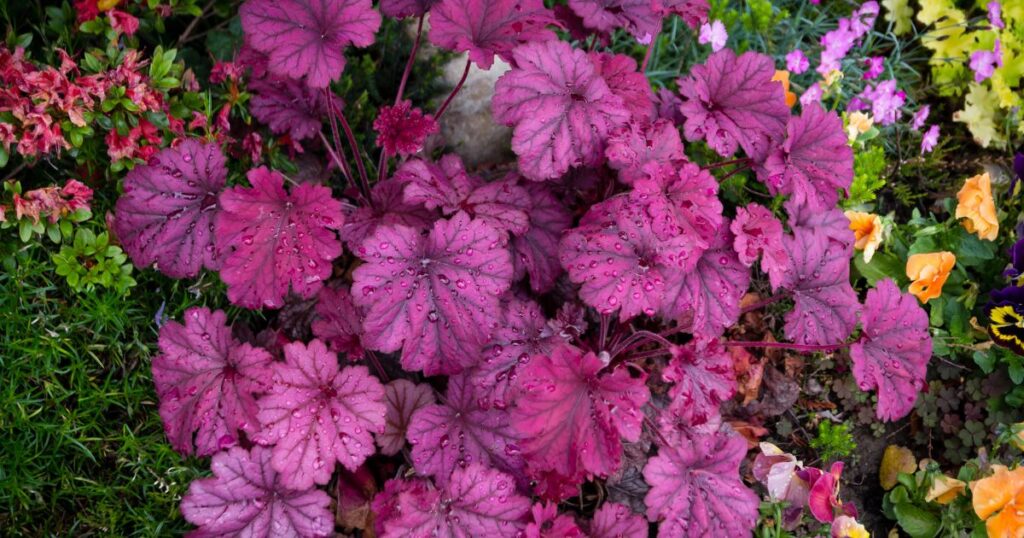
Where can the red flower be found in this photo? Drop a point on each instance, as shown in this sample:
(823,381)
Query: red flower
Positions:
(402,129)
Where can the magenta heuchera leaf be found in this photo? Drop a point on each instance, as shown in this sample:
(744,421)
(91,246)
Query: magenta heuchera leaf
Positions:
(306,39)
(458,432)
(485,28)
(702,377)
(696,489)
(476,501)
(759,234)
(731,102)
(389,207)
(399,9)
(206,381)
(289,107)
(536,252)
(339,323)
(546,522)
(614,520)
(642,150)
(437,295)
(639,17)
(826,306)
(621,74)
(813,162)
(446,185)
(621,262)
(560,108)
(246,497)
(893,352)
(274,241)
(403,129)
(832,223)
(403,398)
(682,203)
(693,12)
(709,295)
(573,417)
(316,416)
(522,333)
(166,215)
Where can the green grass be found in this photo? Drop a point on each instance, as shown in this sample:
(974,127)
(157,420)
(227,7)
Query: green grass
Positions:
(82,450)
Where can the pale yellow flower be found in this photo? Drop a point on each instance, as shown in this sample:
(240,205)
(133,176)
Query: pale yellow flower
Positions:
(944,489)
(858,123)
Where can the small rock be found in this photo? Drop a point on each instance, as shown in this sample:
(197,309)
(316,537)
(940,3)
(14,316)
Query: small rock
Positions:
(467,125)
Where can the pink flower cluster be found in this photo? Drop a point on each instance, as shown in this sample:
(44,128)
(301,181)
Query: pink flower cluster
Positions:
(40,99)
(51,203)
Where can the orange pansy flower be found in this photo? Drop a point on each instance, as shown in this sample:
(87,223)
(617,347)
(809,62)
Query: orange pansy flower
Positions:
(783,77)
(1003,492)
(975,203)
(929,272)
(867,232)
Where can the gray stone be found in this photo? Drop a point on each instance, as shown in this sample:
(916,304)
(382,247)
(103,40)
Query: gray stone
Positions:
(468,128)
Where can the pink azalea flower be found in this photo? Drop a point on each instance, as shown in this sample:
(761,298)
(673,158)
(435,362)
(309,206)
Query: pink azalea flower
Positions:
(995,14)
(823,499)
(796,62)
(875,67)
(984,63)
(123,22)
(714,33)
(920,117)
(930,140)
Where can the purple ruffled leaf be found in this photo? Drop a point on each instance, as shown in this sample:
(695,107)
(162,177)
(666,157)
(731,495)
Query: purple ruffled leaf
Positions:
(759,234)
(447,186)
(643,150)
(826,306)
(458,432)
(466,506)
(485,28)
(731,102)
(403,398)
(693,12)
(892,355)
(702,376)
(275,241)
(317,416)
(389,207)
(696,489)
(638,17)
(814,161)
(709,295)
(573,417)
(339,323)
(682,204)
(437,295)
(522,333)
(206,381)
(614,520)
(536,252)
(306,39)
(247,498)
(399,9)
(621,262)
(623,77)
(289,107)
(166,215)
(560,108)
